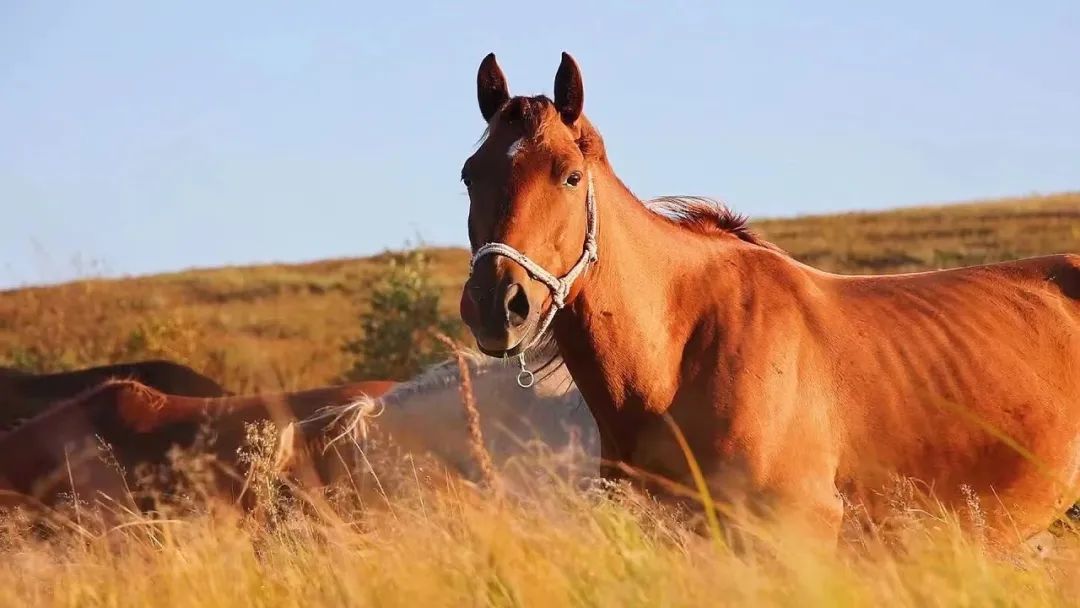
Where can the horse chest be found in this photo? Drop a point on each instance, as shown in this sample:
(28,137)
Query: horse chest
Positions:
(736,439)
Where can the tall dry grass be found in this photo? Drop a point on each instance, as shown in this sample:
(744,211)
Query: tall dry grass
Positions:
(451,544)
(424,537)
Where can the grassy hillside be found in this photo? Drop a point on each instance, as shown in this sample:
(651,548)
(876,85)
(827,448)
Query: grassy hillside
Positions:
(931,237)
(282,326)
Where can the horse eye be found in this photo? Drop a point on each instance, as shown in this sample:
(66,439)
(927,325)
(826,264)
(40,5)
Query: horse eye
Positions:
(573,179)
(465,179)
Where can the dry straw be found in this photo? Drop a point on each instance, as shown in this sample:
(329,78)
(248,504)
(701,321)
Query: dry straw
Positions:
(472,415)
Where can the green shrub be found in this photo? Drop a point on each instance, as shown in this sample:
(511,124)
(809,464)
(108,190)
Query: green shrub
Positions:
(398,326)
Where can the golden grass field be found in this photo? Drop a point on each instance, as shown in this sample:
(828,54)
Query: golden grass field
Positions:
(449,544)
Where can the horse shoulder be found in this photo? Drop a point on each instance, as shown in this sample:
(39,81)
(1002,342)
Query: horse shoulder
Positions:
(769,391)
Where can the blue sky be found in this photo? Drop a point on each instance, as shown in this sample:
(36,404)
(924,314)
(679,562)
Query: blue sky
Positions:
(137,137)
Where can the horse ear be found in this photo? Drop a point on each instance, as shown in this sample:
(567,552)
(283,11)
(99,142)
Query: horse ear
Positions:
(569,92)
(491,90)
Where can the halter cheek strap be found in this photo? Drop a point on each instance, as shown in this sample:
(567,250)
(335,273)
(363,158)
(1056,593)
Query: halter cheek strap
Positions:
(559,286)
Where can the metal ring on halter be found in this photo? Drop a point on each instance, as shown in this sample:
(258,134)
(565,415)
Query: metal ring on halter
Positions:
(525,378)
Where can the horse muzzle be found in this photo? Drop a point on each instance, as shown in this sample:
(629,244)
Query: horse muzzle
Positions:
(501,318)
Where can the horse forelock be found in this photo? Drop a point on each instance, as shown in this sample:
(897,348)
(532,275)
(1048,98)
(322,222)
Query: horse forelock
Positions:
(529,114)
(520,113)
(707,216)
(531,117)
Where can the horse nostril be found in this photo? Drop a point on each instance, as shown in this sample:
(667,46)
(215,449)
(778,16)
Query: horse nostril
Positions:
(516,305)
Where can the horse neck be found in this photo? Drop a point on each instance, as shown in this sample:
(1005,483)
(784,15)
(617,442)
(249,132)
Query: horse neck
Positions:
(624,337)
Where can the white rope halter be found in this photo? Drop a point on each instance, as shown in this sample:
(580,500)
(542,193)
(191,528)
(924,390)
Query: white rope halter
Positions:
(559,287)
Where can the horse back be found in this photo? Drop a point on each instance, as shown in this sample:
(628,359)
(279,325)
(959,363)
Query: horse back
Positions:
(930,371)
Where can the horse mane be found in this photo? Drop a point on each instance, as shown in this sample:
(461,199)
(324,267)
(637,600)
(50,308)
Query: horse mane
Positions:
(439,375)
(442,374)
(446,373)
(351,417)
(707,216)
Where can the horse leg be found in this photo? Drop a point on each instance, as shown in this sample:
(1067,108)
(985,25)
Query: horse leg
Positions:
(809,507)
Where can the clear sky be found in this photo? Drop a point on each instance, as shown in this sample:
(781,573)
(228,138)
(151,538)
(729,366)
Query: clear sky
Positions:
(137,138)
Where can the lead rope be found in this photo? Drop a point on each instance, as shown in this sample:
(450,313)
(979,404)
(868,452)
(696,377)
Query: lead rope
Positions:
(559,287)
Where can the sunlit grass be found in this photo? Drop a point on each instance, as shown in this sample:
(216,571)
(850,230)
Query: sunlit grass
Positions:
(453,545)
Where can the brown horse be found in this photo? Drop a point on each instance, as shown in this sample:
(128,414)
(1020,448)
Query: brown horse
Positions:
(139,426)
(58,449)
(794,388)
(24,395)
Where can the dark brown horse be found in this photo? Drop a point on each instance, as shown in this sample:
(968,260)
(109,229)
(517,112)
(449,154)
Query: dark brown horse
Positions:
(793,387)
(24,395)
(59,448)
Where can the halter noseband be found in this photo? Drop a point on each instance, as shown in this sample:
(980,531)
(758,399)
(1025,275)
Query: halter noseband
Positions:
(559,287)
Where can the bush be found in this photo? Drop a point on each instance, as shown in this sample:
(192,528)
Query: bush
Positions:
(399,325)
